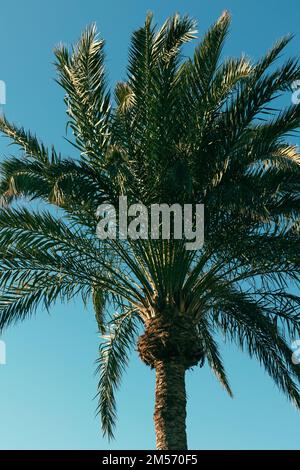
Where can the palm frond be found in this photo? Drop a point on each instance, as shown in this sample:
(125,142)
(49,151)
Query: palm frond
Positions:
(28,142)
(114,356)
(82,75)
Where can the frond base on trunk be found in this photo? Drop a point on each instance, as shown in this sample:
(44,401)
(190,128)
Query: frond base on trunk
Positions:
(173,338)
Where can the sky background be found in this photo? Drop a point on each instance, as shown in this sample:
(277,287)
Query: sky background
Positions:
(48,384)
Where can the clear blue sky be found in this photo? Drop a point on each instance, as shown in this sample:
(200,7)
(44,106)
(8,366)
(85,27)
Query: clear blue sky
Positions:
(47,386)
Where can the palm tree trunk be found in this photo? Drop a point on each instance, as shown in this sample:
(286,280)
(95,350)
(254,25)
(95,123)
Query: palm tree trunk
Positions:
(170,406)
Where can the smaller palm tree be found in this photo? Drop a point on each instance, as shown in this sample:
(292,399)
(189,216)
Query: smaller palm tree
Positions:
(192,130)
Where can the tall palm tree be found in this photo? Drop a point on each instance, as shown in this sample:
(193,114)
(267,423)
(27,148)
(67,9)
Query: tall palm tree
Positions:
(179,130)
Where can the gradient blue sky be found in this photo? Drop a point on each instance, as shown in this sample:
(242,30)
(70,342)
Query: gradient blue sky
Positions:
(47,386)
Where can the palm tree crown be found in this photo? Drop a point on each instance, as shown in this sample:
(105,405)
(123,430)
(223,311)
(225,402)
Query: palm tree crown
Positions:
(178,130)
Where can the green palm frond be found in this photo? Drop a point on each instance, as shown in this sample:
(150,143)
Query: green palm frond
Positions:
(82,75)
(28,142)
(212,354)
(261,338)
(114,356)
(99,299)
(207,54)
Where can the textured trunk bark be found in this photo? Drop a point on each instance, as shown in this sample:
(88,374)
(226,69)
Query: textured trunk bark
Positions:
(170,406)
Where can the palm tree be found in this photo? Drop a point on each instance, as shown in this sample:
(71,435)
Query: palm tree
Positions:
(179,130)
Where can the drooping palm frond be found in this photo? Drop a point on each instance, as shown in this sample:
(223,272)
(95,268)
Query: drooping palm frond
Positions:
(212,354)
(245,324)
(113,359)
